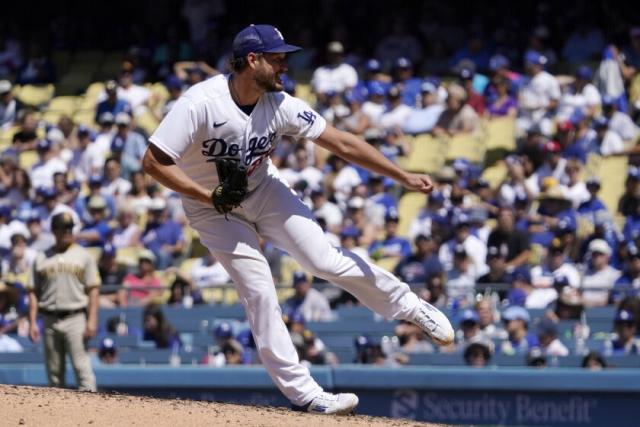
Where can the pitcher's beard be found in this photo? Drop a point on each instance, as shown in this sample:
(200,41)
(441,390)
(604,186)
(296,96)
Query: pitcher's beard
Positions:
(268,83)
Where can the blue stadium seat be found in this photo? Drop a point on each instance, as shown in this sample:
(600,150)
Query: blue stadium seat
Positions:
(27,357)
(159,356)
(126,341)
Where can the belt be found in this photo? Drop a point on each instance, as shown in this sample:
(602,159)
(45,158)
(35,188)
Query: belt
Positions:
(61,314)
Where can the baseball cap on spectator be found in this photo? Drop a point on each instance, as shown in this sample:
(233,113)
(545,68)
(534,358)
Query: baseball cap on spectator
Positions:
(157,204)
(468,317)
(461,219)
(106,118)
(633,173)
(457,92)
(356,202)
(54,135)
(465,69)
(566,224)
(335,47)
(632,250)
(391,216)
(497,62)
(295,317)
(394,92)
(593,181)
(372,66)
(600,123)
(5,210)
(428,87)
(516,313)
(599,246)
(363,342)
(123,119)
(117,145)
(552,147)
(584,72)
(436,197)
(97,203)
(536,58)
(608,100)
(107,346)
(173,82)
(260,39)
(95,181)
(17,228)
(109,250)
(62,220)
(146,255)
(84,130)
(46,192)
(482,183)
(223,330)
(299,277)
(577,116)
(350,231)
(547,326)
(460,164)
(5,87)
(403,62)
(44,145)
(516,297)
(460,251)
(521,274)
(30,215)
(111,86)
(624,316)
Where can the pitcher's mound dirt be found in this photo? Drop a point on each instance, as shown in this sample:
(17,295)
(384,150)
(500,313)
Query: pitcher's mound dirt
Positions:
(44,407)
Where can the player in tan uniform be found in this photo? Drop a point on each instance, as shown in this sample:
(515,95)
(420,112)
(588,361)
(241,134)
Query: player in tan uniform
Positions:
(63,288)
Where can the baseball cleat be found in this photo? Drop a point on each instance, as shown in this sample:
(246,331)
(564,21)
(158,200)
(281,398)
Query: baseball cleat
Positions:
(330,404)
(434,323)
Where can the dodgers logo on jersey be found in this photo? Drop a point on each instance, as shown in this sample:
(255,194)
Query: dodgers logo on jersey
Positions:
(258,149)
(218,148)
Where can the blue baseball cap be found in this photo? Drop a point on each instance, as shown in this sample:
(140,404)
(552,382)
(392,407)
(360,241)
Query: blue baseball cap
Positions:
(469,316)
(117,145)
(46,192)
(95,180)
(223,330)
(5,210)
(109,250)
(584,72)
(372,65)
(403,62)
(391,215)
(517,297)
(296,317)
(44,145)
(521,274)
(350,231)
(498,61)
(376,88)
(600,122)
(436,197)
(173,82)
(533,57)
(608,100)
(363,342)
(461,164)
(107,345)
(567,224)
(547,327)
(624,316)
(633,172)
(299,277)
(516,313)
(260,39)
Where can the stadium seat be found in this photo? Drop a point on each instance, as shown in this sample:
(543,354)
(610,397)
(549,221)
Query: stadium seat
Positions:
(501,134)
(303,91)
(160,357)
(35,95)
(612,173)
(25,357)
(467,146)
(147,121)
(495,174)
(63,104)
(85,117)
(409,206)
(127,256)
(427,154)
(388,263)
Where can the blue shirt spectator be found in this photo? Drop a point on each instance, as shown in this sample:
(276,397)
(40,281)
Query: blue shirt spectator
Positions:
(128,146)
(421,264)
(391,245)
(162,236)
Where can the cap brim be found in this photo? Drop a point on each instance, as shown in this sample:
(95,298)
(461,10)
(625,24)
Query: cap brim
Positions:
(285,48)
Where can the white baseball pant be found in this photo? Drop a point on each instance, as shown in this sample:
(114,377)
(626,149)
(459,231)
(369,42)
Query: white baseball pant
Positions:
(274,212)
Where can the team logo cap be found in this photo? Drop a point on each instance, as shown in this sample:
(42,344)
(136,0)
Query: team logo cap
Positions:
(260,39)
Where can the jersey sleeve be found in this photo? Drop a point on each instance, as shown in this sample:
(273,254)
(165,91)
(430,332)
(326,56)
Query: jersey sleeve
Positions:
(91,275)
(300,120)
(177,130)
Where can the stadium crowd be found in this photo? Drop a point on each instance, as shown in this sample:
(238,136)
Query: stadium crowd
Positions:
(539,238)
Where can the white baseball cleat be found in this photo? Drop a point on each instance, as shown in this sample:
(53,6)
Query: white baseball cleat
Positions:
(330,404)
(434,323)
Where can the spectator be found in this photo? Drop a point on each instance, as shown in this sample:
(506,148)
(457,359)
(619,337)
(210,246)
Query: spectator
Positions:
(127,233)
(9,106)
(581,95)
(87,159)
(497,262)
(477,355)
(137,96)
(458,117)
(422,263)
(461,278)
(630,200)
(600,275)
(404,79)
(505,234)
(112,104)
(466,72)
(138,198)
(309,302)
(174,87)
(183,292)
(594,361)
(25,138)
(472,245)
(95,189)
(516,320)
(157,328)
(40,240)
(322,208)
(112,182)
(469,325)
(487,319)
(434,291)
(550,345)
(542,276)
(538,97)
(112,275)
(345,178)
(108,351)
(424,116)
(397,113)
(504,103)
(302,170)
(17,264)
(374,107)
(128,146)
(336,75)
(208,272)
(575,189)
(554,164)
(369,352)
(521,182)
(163,236)
(391,245)
(48,164)
(593,204)
(97,231)
(618,121)
(411,339)
(536,359)
(350,240)
(628,284)
(143,286)
(607,142)
(8,313)
(356,121)
(632,52)
(104,136)
(625,341)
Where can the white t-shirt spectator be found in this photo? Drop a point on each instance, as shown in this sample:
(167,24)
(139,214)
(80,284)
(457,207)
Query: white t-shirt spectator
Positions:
(209,275)
(331,214)
(42,173)
(334,79)
(311,175)
(577,193)
(473,246)
(612,143)
(344,181)
(136,95)
(622,124)
(538,92)
(544,292)
(600,282)
(395,118)
(373,111)
(570,102)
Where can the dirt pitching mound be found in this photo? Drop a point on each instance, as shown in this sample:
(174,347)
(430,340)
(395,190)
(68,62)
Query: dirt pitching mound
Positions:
(35,406)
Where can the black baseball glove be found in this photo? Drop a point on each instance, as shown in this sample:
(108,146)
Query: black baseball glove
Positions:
(232,188)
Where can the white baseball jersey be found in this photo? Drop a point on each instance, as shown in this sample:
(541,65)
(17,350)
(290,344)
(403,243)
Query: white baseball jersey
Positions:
(205,125)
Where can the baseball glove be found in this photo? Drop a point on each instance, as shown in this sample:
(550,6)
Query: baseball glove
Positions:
(232,188)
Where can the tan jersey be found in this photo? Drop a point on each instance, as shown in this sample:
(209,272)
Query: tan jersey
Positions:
(61,280)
